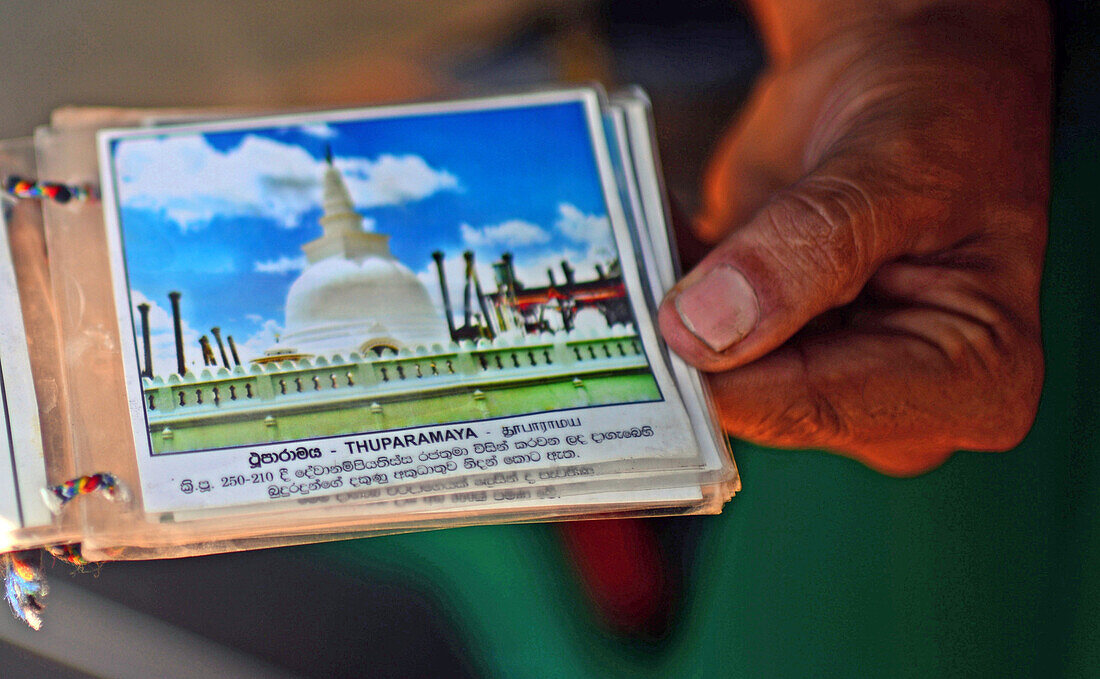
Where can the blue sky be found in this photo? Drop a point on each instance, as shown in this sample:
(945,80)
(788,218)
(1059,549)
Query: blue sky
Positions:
(221,216)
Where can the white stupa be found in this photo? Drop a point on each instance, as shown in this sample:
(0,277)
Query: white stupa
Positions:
(354,296)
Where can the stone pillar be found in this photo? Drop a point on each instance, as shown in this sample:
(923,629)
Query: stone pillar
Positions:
(233,350)
(438,257)
(147,371)
(177,324)
(567,271)
(217,333)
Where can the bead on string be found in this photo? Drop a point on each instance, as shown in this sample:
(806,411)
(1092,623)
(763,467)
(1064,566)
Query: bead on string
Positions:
(16,188)
(58,496)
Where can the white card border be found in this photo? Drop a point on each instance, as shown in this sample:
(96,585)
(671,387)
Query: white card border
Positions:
(149,465)
(25,473)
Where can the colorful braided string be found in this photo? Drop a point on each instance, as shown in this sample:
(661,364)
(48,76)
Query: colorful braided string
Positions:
(69,553)
(18,187)
(58,496)
(24,585)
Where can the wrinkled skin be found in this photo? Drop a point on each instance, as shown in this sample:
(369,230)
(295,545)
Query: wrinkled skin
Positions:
(878,216)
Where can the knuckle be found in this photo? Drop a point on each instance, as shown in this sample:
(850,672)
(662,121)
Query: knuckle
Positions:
(1022,381)
(824,225)
(810,420)
(1005,379)
(984,387)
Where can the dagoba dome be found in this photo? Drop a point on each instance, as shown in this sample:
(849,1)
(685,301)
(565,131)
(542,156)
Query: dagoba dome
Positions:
(354,295)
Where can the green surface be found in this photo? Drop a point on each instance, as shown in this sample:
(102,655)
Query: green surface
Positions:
(311,399)
(986,567)
(457,405)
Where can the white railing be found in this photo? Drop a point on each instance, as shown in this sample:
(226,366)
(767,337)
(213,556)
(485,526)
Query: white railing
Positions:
(427,369)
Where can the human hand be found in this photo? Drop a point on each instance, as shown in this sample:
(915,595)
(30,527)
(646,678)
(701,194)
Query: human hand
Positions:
(880,216)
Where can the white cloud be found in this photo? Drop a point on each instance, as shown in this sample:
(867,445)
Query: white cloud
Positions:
(533,272)
(319,130)
(192,183)
(163,339)
(393,180)
(260,341)
(282,265)
(577,226)
(512,233)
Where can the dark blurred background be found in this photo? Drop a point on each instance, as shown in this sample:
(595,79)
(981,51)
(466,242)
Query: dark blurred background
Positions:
(988,566)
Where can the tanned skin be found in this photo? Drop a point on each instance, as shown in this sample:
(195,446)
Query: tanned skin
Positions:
(878,216)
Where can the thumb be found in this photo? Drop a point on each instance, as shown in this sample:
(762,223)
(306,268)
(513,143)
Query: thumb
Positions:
(764,151)
(810,249)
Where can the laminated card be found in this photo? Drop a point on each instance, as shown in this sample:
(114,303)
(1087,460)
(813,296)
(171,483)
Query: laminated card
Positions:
(294,327)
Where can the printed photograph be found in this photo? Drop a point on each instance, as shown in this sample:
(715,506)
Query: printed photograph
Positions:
(346,276)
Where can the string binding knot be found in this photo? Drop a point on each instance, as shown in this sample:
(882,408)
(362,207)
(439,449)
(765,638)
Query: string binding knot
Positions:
(24,585)
(16,187)
(56,497)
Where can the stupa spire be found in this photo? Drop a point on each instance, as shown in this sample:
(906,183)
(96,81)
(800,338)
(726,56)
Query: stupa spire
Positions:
(339,210)
(342,226)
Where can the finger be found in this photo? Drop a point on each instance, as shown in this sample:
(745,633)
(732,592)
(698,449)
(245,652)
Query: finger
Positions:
(899,392)
(762,153)
(810,249)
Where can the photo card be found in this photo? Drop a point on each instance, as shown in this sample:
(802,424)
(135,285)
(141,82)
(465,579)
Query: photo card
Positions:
(316,302)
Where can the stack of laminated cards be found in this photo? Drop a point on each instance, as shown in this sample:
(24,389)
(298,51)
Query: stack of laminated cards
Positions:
(289,328)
